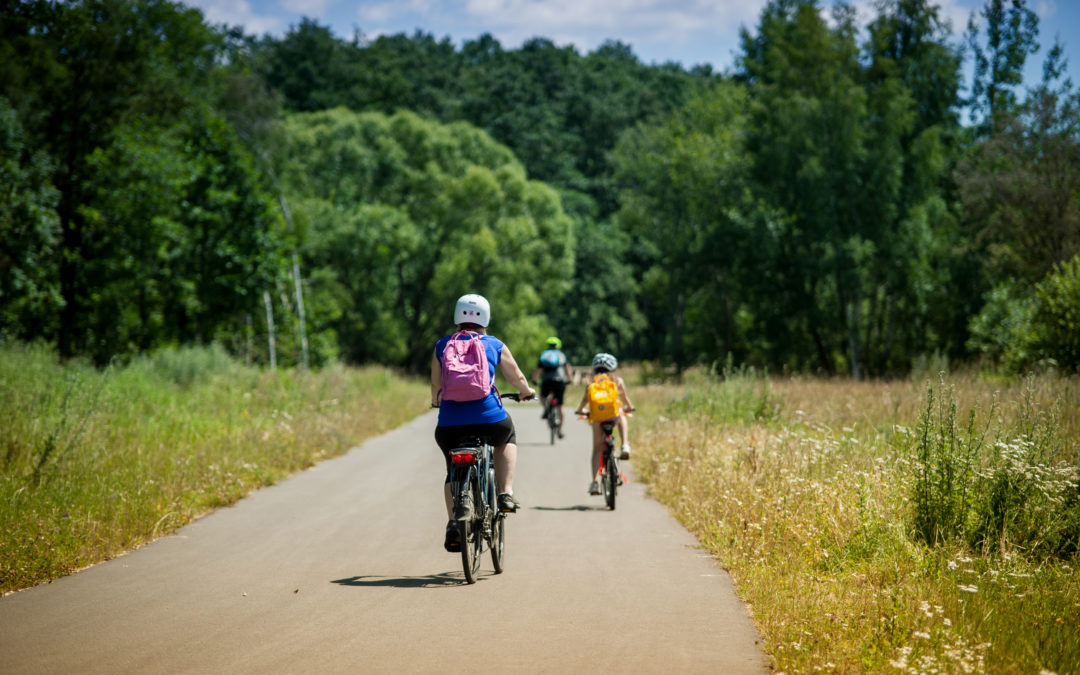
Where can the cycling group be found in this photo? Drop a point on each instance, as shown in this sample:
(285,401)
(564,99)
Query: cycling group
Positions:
(472,416)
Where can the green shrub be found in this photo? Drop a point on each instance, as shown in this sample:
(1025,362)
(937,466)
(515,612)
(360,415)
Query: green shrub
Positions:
(187,365)
(1057,316)
(734,395)
(944,461)
(1018,493)
(1002,330)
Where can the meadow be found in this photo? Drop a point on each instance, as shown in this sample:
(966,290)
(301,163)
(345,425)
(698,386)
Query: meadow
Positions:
(929,524)
(923,525)
(97,462)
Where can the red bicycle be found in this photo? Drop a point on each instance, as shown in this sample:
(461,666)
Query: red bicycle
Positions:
(610,476)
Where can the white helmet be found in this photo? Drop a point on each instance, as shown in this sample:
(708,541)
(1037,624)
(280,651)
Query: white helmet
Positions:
(472,308)
(605,361)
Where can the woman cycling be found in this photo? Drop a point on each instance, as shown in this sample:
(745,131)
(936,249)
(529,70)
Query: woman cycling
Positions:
(483,418)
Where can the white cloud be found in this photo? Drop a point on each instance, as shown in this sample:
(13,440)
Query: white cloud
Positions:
(236,13)
(654,19)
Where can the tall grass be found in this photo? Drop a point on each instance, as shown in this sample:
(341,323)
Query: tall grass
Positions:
(884,526)
(94,463)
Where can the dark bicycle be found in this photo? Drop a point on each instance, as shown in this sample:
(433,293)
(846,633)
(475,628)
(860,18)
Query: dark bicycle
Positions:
(553,415)
(473,489)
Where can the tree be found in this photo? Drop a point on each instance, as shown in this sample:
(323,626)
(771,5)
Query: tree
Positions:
(29,234)
(162,221)
(1011,35)
(402,215)
(683,191)
(1021,187)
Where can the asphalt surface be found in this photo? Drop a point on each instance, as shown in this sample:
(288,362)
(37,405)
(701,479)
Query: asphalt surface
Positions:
(341,569)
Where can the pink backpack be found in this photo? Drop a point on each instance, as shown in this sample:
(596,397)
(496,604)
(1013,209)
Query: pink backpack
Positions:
(465,372)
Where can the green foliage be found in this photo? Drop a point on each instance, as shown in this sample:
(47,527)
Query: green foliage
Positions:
(944,460)
(403,215)
(29,232)
(1011,30)
(186,366)
(164,231)
(817,211)
(1001,331)
(1020,492)
(1057,315)
(732,395)
(683,183)
(1021,327)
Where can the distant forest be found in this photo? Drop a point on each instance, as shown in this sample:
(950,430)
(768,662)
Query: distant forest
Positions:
(841,202)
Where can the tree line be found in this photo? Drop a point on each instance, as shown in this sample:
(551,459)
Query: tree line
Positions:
(841,202)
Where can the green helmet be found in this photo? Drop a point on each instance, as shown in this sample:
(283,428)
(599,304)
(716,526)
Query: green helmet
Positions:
(554,342)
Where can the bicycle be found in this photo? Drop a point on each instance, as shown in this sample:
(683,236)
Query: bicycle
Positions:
(610,476)
(473,490)
(553,408)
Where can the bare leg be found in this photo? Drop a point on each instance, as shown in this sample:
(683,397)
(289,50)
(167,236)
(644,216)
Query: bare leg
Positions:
(597,450)
(624,430)
(449,500)
(505,461)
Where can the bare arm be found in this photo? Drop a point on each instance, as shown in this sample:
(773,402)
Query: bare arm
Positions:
(584,402)
(436,381)
(624,396)
(509,368)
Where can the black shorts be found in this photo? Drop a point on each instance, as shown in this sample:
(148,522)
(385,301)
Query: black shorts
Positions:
(493,433)
(553,387)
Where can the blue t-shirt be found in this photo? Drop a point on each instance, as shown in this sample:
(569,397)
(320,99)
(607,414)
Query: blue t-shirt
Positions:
(483,411)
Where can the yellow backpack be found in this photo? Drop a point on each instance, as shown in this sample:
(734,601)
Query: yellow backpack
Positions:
(603,398)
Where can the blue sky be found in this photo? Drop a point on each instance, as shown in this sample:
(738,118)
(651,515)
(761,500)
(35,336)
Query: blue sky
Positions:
(685,31)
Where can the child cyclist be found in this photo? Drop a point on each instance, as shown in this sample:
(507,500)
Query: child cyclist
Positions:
(604,366)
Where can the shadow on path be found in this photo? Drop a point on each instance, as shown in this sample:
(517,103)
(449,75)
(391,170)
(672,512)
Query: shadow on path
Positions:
(430,581)
(576,507)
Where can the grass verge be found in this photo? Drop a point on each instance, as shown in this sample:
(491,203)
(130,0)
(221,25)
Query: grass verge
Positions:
(95,463)
(876,527)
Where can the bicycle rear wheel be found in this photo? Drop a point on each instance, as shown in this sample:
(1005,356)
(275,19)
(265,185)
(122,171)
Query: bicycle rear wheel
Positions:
(471,533)
(610,478)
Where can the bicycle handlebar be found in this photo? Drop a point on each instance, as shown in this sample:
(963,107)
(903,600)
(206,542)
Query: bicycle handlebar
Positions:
(514,396)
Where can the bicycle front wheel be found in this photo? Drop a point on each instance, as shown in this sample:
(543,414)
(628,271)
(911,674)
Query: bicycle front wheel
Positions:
(498,542)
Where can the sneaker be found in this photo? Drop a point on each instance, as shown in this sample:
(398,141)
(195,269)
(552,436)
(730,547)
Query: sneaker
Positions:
(625,453)
(463,510)
(594,488)
(453,538)
(507,503)
(560,434)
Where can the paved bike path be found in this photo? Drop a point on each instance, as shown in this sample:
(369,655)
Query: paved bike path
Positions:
(341,569)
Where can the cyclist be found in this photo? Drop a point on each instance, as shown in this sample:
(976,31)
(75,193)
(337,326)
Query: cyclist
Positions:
(606,364)
(553,372)
(485,418)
